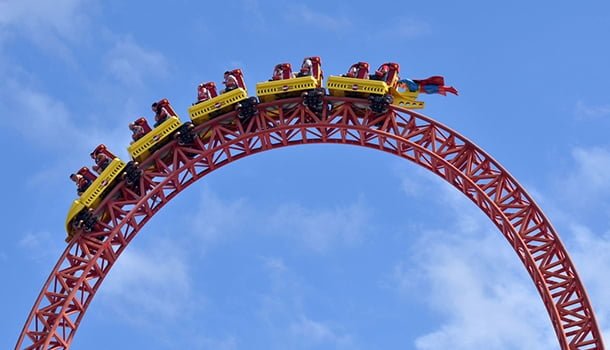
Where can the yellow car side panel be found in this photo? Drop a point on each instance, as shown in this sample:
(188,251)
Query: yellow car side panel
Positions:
(75,208)
(200,112)
(268,90)
(140,149)
(92,197)
(406,99)
(338,86)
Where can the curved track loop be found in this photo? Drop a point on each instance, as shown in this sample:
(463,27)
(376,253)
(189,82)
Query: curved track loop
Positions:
(89,257)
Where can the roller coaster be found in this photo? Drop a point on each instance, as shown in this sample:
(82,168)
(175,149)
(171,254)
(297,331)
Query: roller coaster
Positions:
(381,89)
(356,108)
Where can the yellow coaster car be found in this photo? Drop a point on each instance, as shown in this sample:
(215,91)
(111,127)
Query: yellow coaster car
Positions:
(285,84)
(94,193)
(204,111)
(406,99)
(381,88)
(234,97)
(142,147)
(270,91)
(345,86)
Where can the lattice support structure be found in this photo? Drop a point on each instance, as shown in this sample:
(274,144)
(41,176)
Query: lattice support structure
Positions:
(89,257)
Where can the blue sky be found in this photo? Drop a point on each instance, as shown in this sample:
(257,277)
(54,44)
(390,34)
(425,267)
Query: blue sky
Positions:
(316,247)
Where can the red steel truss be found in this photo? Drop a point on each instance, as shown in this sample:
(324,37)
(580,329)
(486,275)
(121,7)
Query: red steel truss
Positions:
(89,257)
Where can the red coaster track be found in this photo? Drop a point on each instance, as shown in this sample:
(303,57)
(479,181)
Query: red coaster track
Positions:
(89,257)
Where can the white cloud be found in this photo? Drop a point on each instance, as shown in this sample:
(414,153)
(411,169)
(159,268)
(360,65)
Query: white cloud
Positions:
(274,264)
(132,64)
(423,186)
(201,342)
(51,25)
(583,111)
(47,122)
(283,312)
(407,28)
(62,16)
(479,288)
(473,280)
(578,201)
(217,220)
(477,284)
(39,117)
(321,229)
(591,255)
(150,288)
(593,168)
(310,17)
(589,179)
(410,185)
(254,13)
(310,332)
(41,245)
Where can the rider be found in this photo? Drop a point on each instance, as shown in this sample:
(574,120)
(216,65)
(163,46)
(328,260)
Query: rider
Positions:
(101,162)
(230,82)
(306,68)
(137,131)
(161,113)
(355,70)
(82,183)
(381,73)
(277,73)
(203,94)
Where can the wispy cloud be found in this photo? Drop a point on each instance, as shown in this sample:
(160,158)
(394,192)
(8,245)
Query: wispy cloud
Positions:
(39,117)
(584,111)
(283,310)
(486,297)
(217,219)
(201,342)
(477,286)
(254,12)
(420,185)
(49,125)
(132,64)
(588,181)
(52,26)
(406,28)
(321,229)
(40,245)
(591,254)
(316,229)
(65,17)
(330,22)
(315,333)
(473,280)
(274,264)
(579,203)
(150,288)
